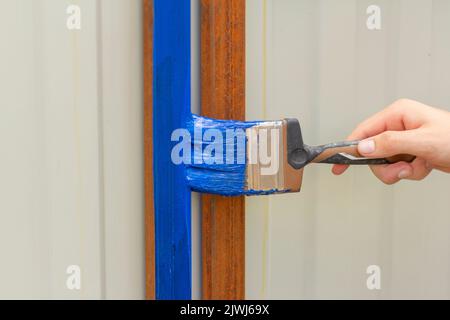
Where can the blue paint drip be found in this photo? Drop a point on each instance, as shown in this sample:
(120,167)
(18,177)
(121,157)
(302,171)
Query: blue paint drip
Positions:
(226,179)
(171,110)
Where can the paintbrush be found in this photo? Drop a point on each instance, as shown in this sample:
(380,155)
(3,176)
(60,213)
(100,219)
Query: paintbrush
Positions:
(256,158)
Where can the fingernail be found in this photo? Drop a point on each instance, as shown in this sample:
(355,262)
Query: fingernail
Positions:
(405,173)
(366,146)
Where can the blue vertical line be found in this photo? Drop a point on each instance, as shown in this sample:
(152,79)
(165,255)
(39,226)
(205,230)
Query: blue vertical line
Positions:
(171,110)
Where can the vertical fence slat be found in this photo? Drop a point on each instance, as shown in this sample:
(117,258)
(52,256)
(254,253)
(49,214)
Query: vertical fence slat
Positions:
(223,96)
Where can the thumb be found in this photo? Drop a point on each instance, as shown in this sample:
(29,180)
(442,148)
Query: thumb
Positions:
(391,143)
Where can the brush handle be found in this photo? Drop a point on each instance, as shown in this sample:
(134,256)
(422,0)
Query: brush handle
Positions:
(347,153)
(300,154)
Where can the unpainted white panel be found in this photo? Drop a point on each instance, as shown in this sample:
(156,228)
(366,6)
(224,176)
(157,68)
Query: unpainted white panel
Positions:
(120,40)
(72,157)
(50,174)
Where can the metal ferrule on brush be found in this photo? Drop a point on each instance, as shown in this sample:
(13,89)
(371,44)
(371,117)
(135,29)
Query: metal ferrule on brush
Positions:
(267,142)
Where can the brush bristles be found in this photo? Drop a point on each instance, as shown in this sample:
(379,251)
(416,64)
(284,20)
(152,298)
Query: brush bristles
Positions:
(218,162)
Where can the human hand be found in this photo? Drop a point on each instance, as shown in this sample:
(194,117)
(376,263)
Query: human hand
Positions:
(405,127)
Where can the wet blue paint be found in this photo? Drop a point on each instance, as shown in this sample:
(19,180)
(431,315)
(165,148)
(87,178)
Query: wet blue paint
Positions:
(171,110)
(223,179)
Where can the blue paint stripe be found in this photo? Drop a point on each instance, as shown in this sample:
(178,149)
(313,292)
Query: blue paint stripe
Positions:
(171,110)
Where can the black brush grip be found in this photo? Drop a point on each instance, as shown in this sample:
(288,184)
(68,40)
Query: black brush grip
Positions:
(297,155)
(341,159)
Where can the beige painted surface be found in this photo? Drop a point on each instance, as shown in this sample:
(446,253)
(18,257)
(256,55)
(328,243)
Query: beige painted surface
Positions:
(317,61)
(71,134)
(120,42)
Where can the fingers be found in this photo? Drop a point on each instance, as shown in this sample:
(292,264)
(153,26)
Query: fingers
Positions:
(339,169)
(387,144)
(390,174)
(443,169)
(387,119)
(398,129)
(396,117)
(391,143)
(420,170)
(393,173)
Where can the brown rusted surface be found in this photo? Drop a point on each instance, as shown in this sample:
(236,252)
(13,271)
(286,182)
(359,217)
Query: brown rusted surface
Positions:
(148,152)
(223,97)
